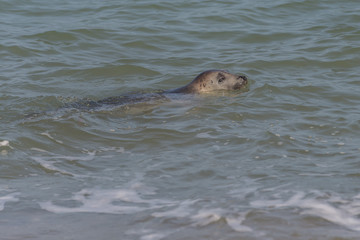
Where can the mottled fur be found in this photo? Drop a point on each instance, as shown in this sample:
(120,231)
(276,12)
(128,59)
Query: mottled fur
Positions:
(212,80)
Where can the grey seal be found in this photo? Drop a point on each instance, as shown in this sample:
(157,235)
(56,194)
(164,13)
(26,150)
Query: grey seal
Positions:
(205,82)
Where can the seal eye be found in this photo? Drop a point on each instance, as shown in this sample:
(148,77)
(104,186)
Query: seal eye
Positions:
(221,78)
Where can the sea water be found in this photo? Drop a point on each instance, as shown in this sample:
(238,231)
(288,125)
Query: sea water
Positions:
(278,161)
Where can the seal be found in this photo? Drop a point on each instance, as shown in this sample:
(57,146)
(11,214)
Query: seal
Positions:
(212,80)
(205,82)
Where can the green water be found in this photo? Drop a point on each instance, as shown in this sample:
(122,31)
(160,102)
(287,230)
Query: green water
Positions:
(279,161)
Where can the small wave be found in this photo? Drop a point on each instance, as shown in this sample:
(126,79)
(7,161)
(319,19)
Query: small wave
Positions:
(112,201)
(49,165)
(208,216)
(52,162)
(47,134)
(330,207)
(204,135)
(97,201)
(205,216)
(148,234)
(4,145)
(8,198)
(135,199)
(53,36)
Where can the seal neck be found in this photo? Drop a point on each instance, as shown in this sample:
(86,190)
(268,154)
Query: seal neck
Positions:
(184,89)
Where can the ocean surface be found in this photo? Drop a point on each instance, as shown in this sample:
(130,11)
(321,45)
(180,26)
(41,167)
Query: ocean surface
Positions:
(278,161)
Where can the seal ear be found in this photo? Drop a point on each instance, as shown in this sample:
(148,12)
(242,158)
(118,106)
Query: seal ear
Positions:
(221,78)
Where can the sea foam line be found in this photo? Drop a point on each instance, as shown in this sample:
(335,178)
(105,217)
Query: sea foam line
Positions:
(334,209)
(114,201)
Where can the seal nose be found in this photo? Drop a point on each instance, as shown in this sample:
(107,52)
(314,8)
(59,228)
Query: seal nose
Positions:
(243,77)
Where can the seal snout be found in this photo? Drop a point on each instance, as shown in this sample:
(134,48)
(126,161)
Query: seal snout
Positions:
(243,77)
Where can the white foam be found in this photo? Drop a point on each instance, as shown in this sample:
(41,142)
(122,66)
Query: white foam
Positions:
(148,234)
(332,208)
(38,150)
(51,159)
(8,198)
(236,223)
(153,236)
(47,134)
(204,135)
(207,216)
(331,213)
(135,197)
(50,165)
(4,143)
(114,201)
(97,201)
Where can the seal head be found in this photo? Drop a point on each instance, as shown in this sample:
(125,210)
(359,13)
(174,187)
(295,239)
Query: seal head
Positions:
(213,80)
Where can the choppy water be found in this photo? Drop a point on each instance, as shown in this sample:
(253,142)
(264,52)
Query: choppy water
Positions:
(280,161)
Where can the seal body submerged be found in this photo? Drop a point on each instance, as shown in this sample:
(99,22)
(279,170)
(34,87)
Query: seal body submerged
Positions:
(205,82)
